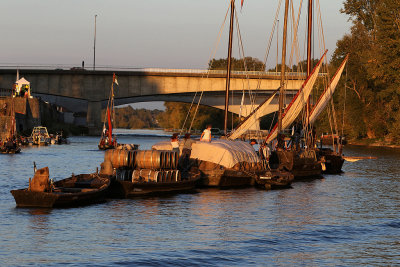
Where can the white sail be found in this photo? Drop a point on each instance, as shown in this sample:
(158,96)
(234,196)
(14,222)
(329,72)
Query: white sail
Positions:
(298,102)
(252,119)
(327,95)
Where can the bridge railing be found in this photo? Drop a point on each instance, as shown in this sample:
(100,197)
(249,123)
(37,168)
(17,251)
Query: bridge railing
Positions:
(154,70)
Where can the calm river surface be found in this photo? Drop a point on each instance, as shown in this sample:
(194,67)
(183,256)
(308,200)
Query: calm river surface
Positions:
(348,219)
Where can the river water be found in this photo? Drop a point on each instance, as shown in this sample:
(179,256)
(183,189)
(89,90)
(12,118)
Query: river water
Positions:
(348,219)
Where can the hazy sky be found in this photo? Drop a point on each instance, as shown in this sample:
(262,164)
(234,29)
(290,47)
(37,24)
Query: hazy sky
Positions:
(140,33)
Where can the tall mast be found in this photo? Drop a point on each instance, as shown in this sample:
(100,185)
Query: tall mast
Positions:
(309,47)
(228,68)
(283,69)
(309,37)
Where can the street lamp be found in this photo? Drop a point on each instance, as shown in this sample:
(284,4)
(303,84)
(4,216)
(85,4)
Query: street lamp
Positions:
(94,46)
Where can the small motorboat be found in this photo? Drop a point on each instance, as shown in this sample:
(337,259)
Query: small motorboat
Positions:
(77,190)
(40,136)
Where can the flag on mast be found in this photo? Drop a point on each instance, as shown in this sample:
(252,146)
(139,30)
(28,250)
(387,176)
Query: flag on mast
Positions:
(241,6)
(115,79)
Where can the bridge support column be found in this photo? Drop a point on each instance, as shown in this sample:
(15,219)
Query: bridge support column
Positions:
(93,117)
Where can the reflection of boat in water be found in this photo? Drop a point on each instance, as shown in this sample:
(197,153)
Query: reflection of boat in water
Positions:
(107,140)
(76,190)
(40,136)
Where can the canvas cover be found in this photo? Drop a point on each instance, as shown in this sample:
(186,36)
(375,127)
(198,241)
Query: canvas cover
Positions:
(226,153)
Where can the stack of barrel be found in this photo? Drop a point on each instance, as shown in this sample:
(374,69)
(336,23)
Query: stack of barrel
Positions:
(144,165)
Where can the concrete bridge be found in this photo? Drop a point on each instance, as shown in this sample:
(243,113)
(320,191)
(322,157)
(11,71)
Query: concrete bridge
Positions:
(86,91)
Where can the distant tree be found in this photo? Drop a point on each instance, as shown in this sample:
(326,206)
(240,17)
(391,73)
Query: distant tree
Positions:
(252,64)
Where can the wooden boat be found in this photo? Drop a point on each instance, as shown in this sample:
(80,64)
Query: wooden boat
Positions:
(154,183)
(302,165)
(274,179)
(77,190)
(222,163)
(107,140)
(10,150)
(331,161)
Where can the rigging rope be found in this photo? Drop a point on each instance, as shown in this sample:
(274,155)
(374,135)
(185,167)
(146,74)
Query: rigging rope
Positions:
(212,55)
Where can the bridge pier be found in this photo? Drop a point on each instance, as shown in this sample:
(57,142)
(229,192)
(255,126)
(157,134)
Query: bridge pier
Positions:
(93,117)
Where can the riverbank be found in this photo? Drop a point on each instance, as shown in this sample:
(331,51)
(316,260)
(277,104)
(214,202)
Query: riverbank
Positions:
(373,143)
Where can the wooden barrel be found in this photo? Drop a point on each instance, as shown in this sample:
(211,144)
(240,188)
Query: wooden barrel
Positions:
(176,176)
(167,160)
(132,159)
(119,158)
(149,159)
(174,157)
(146,175)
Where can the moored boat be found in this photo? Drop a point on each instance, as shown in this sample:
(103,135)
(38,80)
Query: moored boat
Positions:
(331,161)
(274,179)
(147,172)
(77,190)
(151,182)
(107,140)
(40,136)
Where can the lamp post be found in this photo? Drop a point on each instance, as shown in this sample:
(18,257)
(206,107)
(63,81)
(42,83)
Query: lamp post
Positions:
(94,46)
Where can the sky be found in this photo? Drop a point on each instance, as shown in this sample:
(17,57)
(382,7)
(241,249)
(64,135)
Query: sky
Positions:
(141,34)
(176,34)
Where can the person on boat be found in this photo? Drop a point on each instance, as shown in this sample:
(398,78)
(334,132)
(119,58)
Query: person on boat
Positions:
(206,135)
(186,151)
(187,145)
(175,142)
(264,151)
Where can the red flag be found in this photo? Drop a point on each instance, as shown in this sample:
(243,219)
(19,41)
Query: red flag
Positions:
(241,4)
(109,125)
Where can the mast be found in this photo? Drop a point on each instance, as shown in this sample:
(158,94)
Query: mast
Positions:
(228,68)
(309,47)
(309,37)
(283,69)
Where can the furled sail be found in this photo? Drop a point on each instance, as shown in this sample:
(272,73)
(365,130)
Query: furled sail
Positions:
(298,102)
(252,119)
(329,90)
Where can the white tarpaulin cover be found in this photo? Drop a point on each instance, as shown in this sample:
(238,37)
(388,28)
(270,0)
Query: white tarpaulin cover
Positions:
(327,95)
(298,102)
(223,152)
(226,153)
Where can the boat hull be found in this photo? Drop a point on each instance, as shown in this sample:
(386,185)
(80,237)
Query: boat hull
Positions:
(214,175)
(333,161)
(77,190)
(303,165)
(274,179)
